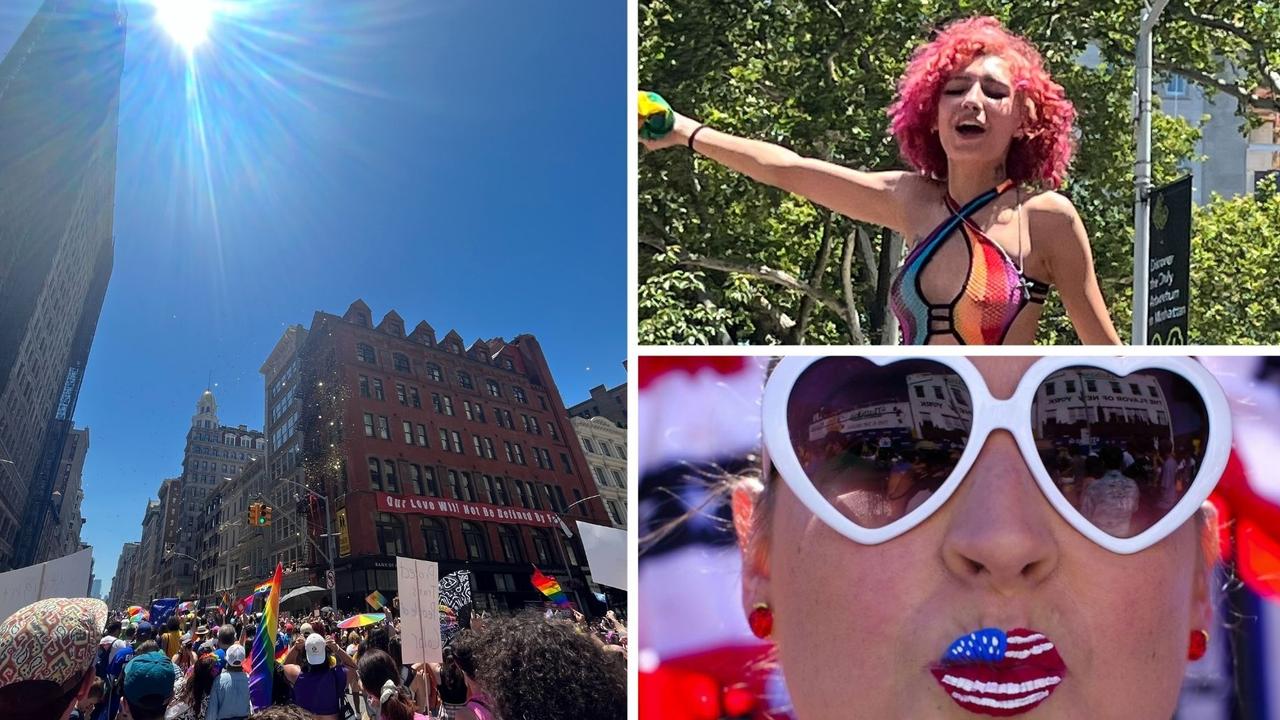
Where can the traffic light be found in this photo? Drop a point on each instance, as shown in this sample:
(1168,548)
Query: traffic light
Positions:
(255,514)
(266,514)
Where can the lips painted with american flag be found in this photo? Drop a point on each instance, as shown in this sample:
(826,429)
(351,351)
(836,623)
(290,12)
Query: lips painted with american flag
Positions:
(994,672)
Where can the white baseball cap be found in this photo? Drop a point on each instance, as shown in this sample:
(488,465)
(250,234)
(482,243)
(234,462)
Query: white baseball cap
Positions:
(315,649)
(235,655)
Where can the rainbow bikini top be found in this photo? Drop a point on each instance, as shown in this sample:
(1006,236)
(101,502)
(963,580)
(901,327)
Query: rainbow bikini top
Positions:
(993,293)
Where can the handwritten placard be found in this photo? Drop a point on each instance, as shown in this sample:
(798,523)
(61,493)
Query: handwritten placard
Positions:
(418,584)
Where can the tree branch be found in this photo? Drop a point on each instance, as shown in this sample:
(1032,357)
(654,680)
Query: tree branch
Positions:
(764,272)
(816,274)
(846,281)
(1205,80)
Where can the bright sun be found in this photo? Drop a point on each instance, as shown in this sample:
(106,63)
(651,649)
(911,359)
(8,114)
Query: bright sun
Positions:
(187,21)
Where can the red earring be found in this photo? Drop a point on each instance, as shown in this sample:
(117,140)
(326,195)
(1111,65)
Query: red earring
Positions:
(1199,643)
(761,621)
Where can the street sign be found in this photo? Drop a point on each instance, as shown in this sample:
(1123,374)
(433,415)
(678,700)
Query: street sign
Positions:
(328,579)
(1169,299)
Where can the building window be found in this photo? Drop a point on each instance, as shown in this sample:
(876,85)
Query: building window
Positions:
(448,405)
(473,538)
(506,445)
(375,474)
(518,394)
(599,473)
(414,398)
(464,381)
(377,389)
(401,394)
(499,492)
(488,449)
(494,389)
(614,515)
(364,386)
(435,538)
(422,435)
(510,541)
(542,548)
(564,460)
(1176,86)
(475,439)
(433,372)
(507,364)
(586,443)
(520,493)
(479,412)
(457,441)
(415,479)
(444,439)
(391,535)
(384,428)
(401,362)
(368,424)
(604,448)
(622,452)
(408,432)
(618,479)
(433,487)
(389,468)
(455,485)
(437,403)
(551,429)
(364,353)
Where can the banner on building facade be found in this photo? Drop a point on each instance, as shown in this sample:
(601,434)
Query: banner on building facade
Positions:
(418,584)
(441,507)
(65,577)
(606,553)
(344,539)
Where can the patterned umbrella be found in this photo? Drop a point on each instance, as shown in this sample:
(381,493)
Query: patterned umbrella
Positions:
(361,620)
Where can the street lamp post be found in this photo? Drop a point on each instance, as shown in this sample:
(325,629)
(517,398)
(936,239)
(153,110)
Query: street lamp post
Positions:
(1142,171)
(565,528)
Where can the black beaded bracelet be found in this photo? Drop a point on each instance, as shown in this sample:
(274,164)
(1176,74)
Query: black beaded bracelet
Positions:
(694,134)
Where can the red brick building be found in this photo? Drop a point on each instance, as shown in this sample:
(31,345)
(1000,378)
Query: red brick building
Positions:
(435,449)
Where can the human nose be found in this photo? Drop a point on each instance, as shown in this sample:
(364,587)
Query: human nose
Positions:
(973,97)
(998,535)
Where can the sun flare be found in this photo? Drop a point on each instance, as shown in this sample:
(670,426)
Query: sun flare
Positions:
(186,21)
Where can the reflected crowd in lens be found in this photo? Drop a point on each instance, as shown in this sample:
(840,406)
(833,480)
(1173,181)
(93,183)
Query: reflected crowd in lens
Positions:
(877,441)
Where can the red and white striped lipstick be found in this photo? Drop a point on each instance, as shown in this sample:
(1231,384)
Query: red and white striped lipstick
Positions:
(1000,673)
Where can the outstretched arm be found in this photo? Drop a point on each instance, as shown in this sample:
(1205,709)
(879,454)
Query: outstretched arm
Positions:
(874,197)
(1071,268)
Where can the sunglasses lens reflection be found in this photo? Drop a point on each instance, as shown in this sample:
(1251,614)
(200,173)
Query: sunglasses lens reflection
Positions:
(878,441)
(1122,450)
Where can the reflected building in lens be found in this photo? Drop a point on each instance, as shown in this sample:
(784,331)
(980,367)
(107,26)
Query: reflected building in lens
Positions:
(936,407)
(1083,398)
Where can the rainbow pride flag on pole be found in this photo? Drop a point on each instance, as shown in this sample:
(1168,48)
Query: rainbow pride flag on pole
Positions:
(549,587)
(262,663)
(376,600)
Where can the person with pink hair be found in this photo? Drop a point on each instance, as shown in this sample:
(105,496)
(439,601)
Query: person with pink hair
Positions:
(988,134)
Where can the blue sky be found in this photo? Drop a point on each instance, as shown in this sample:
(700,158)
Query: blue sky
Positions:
(460,162)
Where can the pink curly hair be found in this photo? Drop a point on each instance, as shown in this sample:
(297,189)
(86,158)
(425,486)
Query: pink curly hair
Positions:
(1039,157)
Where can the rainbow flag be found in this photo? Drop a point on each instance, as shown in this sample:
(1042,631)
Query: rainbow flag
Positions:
(549,587)
(262,663)
(137,613)
(376,600)
(264,587)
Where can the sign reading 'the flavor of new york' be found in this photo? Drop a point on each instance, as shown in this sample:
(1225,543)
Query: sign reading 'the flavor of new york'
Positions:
(460,509)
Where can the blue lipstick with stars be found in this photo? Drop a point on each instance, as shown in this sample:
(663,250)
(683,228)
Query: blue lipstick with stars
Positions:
(1000,673)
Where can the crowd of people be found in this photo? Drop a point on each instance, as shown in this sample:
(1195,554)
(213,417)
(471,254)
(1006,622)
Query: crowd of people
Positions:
(72,659)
